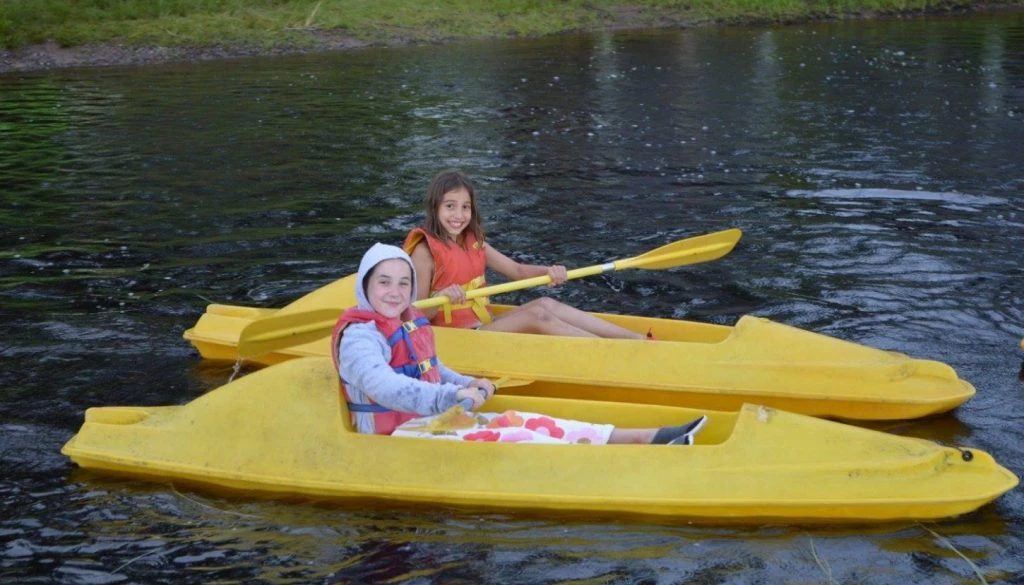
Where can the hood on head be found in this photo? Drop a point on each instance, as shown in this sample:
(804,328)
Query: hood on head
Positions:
(374,256)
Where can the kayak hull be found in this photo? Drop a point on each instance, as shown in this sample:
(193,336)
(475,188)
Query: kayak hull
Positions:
(692,364)
(757,463)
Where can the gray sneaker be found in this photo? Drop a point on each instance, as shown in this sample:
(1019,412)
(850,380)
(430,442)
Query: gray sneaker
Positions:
(691,431)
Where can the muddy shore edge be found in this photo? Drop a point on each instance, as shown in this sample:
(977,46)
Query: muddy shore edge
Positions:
(51,56)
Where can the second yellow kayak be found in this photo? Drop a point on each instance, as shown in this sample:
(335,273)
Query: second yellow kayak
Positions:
(691,364)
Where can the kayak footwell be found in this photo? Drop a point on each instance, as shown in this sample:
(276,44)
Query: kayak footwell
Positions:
(283,431)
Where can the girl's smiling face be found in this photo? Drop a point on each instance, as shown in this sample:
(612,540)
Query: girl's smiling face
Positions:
(455,211)
(389,287)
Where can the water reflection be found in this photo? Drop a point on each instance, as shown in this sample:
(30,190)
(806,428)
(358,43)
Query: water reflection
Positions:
(873,166)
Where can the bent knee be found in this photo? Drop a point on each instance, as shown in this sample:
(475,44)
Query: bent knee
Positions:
(542,309)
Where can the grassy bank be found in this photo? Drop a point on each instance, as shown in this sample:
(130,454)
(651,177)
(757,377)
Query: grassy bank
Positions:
(266,23)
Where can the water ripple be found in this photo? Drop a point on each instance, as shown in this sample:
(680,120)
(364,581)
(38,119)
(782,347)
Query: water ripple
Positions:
(873,166)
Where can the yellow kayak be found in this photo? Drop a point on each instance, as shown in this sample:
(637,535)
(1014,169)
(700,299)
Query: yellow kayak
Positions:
(284,431)
(692,364)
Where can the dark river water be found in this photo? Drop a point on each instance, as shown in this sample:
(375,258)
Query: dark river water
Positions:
(876,169)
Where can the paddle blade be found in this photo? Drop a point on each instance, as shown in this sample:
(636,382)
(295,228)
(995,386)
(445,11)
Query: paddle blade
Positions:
(506,382)
(281,331)
(683,252)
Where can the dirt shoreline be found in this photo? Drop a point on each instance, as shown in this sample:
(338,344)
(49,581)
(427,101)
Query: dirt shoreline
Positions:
(51,56)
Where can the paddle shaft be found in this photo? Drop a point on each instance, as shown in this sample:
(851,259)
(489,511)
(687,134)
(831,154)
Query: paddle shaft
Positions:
(571,275)
(320,321)
(295,328)
(503,382)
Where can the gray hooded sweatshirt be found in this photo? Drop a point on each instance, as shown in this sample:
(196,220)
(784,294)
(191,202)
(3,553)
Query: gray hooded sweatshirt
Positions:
(365,359)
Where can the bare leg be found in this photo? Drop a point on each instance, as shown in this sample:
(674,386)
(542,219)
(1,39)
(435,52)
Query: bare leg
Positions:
(631,436)
(682,434)
(528,319)
(550,317)
(585,321)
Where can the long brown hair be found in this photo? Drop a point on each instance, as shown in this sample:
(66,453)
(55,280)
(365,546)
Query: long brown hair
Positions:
(445,182)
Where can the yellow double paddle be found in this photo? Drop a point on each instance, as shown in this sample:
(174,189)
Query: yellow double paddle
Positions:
(281,331)
(448,420)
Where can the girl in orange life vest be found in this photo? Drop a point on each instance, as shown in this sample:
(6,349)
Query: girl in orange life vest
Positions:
(391,378)
(450,253)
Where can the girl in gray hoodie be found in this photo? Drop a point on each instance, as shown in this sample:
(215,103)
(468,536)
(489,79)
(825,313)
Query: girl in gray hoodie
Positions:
(394,384)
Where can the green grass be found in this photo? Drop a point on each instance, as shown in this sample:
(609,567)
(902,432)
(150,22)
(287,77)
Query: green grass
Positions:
(297,22)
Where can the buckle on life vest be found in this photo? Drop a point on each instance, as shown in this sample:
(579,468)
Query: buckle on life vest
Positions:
(478,305)
(410,326)
(424,366)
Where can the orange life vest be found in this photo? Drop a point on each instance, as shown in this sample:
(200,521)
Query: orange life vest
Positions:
(454,264)
(412,354)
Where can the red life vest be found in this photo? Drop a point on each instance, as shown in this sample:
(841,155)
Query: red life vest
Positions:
(412,354)
(454,264)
